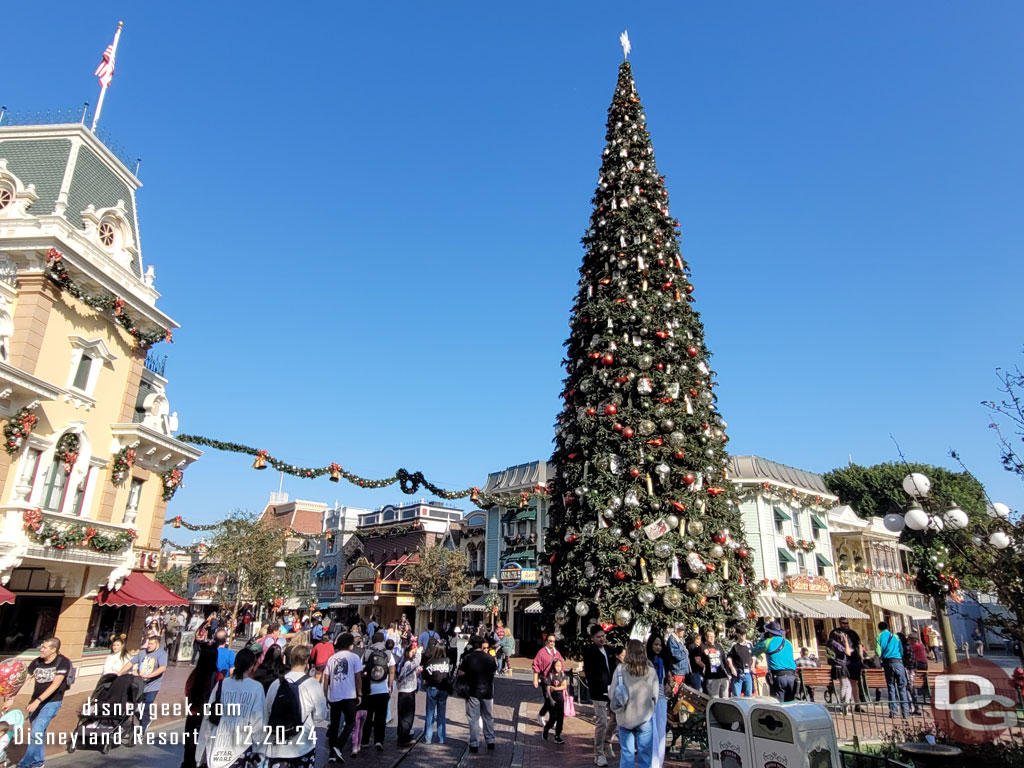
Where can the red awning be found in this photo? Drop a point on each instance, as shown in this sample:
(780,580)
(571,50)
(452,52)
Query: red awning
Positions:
(6,596)
(139,590)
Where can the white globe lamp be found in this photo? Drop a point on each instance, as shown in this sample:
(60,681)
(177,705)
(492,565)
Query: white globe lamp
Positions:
(894,523)
(956,519)
(917,485)
(916,519)
(936,523)
(999,540)
(1000,510)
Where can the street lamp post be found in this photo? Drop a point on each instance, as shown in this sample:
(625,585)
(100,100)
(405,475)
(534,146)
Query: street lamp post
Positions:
(919,519)
(492,588)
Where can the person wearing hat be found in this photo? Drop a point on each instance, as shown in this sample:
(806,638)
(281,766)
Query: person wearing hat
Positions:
(781,665)
(680,655)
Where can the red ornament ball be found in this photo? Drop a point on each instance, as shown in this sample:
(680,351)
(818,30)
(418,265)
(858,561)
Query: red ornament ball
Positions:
(660,366)
(624,548)
(743,552)
(637,524)
(680,453)
(692,351)
(611,409)
(608,359)
(628,432)
(617,427)
(634,473)
(620,575)
(721,538)
(689,479)
(591,411)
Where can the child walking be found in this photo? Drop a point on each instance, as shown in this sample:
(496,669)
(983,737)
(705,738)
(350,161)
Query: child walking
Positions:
(555,684)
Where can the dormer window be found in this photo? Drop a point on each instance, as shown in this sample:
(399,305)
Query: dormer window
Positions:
(6,194)
(107,233)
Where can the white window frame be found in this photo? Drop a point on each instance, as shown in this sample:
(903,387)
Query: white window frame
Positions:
(100,355)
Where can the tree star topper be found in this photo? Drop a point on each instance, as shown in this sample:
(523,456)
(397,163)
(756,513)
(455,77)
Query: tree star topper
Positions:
(626,48)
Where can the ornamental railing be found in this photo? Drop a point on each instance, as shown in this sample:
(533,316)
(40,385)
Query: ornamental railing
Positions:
(889,583)
(82,550)
(82,114)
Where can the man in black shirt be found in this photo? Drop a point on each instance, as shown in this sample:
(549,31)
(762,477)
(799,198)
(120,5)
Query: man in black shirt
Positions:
(50,673)
(477,670)
(696,677)
(598,666)
(716,674)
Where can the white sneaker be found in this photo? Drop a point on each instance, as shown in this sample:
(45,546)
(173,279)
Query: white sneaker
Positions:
(540,721)
(600,761)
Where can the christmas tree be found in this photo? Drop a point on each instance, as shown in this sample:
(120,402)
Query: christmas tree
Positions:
(644,529)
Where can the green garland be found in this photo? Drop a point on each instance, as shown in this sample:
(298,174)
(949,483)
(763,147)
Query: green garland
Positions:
(123,462)
(781,493)
(171,480)
(409,482)
(177,522)
(65,535)
(18,428)
(104,302)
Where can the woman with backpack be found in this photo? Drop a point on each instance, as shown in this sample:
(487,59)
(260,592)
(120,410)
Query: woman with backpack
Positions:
(295,704)
(238,705)
(437,682)
(406,682)
(271,668)
(634,698)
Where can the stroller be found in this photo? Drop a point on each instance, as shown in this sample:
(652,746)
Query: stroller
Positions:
(110,719)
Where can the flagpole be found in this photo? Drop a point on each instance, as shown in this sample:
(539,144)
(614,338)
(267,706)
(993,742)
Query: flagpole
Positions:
(103,89)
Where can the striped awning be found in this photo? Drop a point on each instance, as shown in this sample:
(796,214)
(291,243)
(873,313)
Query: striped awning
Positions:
(770,607)
(476,605)
(534,607)
(893,604)
(817,608)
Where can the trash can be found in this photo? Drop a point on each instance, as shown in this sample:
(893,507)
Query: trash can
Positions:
(728,722)
(794,735)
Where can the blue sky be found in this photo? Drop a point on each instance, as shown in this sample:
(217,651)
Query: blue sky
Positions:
(367,219)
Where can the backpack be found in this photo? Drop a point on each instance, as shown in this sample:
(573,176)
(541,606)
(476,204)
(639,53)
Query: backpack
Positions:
(201,633)
(377,665)
(71,676)
(286,711)
(620,696)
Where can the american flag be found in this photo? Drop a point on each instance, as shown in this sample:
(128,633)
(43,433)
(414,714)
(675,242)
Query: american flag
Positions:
(105,71)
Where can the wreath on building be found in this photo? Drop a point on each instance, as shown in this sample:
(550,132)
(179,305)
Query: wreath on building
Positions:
(172,482)
(124,460)
(18,428)
(67,450)
(66,535)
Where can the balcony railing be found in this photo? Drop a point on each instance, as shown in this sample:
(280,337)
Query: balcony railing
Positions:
(29,545)
(521,540)
(889,583)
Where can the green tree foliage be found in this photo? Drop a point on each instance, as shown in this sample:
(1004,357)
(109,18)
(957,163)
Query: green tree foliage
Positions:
(175,579)
(944,560)
(639,440)
(439,577)
(244,549)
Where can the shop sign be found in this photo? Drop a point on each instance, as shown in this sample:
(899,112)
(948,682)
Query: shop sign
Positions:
(530,576)
(361,571)
(511,575)
(358,588)
(405,600)
(814,584)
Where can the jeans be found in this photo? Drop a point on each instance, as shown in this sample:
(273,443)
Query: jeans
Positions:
(695,680)
(475,710)
(147,702)
(376,706)
(896,686)
(346,708)
(604,727)
(40,719)
(743,685)
(660,733)
(437,702)
(639,740)
(406,716)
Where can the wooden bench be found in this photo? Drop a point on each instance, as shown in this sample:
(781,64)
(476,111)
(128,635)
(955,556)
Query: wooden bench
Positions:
(813,677)
(874,679)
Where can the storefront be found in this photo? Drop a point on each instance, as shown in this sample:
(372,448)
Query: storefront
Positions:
(808,610)
(386,598)
(522,611)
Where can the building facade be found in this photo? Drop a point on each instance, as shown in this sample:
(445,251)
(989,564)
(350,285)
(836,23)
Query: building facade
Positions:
(91,457)
(785,518)
(303,524)
(336,546)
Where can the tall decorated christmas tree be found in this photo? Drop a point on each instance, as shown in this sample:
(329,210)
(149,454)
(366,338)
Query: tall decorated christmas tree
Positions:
(644,528)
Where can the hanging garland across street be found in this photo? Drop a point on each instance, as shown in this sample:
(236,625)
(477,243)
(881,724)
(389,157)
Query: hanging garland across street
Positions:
(65,535)
(103,302)
(18,428)
(177,522)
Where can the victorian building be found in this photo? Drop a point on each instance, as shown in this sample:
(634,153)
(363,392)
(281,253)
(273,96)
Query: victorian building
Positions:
(785,517)
(336,547)
(91,460)
(303,524)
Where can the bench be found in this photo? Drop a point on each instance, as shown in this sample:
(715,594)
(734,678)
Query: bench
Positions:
(872,680)
(813,677)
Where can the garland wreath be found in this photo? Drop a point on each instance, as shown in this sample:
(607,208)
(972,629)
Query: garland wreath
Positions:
(124,460)
(65,535)
(177,522)
(171,482)
(803,544)
(18,428)
(781,493)
(103,302)
(67,450)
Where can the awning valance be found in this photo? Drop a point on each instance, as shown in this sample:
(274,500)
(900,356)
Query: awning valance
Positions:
(476,605)
(513,516)
(785,557)
(817,608)
(140,591)
(534,607)
(894,604)
(780,513)
(769,607)
(6,596)
(822,560)
(818,523)
(522,556)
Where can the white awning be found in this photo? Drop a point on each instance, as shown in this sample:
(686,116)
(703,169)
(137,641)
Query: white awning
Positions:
(534,607)
(476,605)
(339,604)
(818,608)
(292,604)
(769,608)
(894,604)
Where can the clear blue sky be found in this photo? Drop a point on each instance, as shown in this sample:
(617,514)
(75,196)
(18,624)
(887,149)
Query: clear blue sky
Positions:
(367,219)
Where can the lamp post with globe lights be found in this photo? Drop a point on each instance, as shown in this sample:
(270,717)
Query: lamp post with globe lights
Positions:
(922,519)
